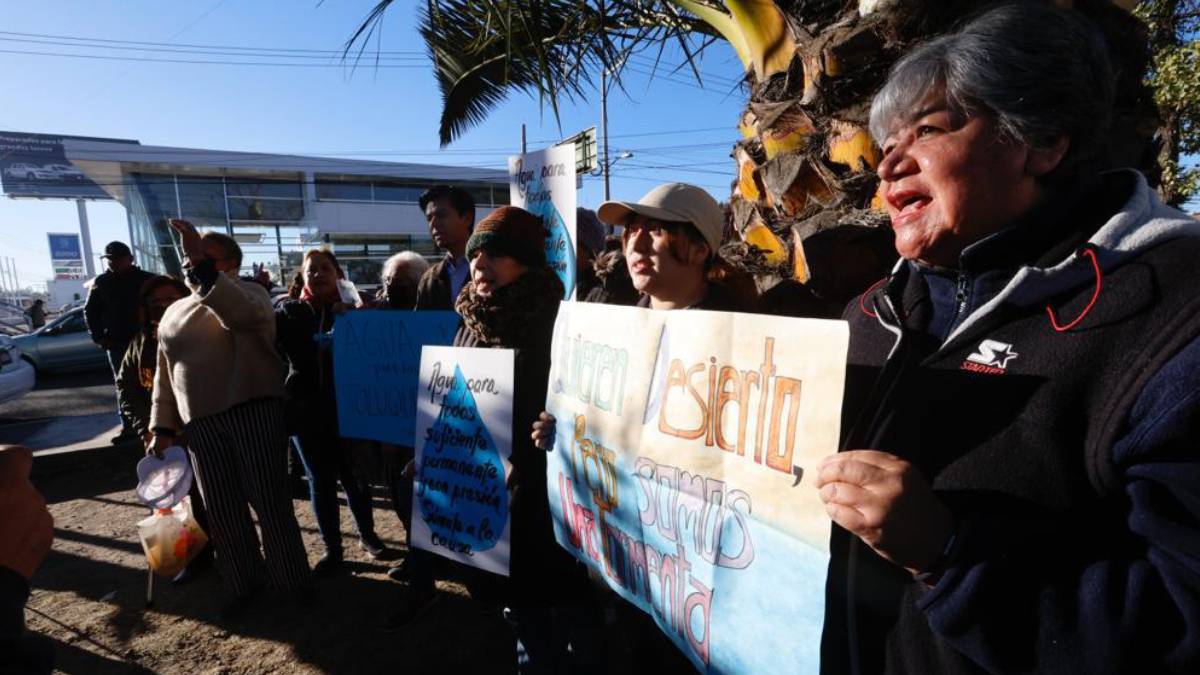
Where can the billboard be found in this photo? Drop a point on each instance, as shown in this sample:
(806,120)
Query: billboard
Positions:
(66,256)
(35,165)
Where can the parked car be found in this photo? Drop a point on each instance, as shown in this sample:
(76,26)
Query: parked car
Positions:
(27,171)
(64,171)
(16,375)
(62,344)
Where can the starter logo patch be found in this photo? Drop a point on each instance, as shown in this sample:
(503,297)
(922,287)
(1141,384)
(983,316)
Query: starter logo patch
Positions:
(992,357)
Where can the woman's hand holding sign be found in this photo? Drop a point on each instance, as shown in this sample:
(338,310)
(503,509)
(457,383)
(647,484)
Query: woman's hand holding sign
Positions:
(543,431)
(887,503)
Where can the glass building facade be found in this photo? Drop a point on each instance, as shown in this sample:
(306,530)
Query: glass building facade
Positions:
(264,215)
(275,219)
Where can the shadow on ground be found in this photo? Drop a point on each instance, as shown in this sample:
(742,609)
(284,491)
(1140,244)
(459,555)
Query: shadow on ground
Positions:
(89,598)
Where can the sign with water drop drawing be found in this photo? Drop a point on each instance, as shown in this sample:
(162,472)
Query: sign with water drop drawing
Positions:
(543,183)
(683,472)
(463,444)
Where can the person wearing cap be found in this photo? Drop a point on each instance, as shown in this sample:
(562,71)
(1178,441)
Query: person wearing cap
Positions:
(111,314)
(670,242)
(670,239)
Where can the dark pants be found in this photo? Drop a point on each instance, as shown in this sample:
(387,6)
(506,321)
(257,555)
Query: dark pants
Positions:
(551,639)
(419,565)
(327,461)
(240,457)
(115,356)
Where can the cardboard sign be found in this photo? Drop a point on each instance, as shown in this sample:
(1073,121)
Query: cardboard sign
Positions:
(463,443)
(543,183)
(683,472)
(376,358)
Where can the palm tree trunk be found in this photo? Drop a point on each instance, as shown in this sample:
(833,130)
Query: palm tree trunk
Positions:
(803,201)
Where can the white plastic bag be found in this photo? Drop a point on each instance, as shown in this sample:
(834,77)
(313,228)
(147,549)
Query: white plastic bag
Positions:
(171,538)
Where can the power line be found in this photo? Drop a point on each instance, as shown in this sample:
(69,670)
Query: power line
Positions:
(199,62)
(197,46)
(682,70)
(206,52)
(241,157)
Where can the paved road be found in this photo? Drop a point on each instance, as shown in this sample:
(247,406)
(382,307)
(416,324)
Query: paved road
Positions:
(63,413)
(63,395)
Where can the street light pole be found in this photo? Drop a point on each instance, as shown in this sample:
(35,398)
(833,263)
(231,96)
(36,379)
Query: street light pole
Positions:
(86,235)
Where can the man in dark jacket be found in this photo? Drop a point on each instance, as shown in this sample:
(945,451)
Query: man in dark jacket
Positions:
(111,313)
(36,314)
(450,212)
(1017,490)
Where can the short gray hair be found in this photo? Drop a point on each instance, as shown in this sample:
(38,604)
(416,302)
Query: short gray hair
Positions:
(1042,72)
(414,265)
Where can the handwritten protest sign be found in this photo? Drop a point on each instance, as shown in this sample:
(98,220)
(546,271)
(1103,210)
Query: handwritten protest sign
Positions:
(463,444)
(543,183)
(684,468)
(376,358)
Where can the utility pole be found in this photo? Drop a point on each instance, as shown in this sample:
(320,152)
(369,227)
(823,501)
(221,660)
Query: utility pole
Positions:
(12,283)
(523,138)
(604,127)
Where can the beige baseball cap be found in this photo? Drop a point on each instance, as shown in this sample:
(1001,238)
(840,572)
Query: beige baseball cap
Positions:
(673,202)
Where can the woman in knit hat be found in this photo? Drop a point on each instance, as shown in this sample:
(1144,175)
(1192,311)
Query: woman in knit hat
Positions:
(510,302)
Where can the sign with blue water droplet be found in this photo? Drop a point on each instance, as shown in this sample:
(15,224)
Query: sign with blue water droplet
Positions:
(463,443)
(543,183)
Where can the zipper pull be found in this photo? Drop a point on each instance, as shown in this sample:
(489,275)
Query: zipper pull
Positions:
(960,295)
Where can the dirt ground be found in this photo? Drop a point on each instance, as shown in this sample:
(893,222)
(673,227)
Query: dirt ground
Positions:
(89,600)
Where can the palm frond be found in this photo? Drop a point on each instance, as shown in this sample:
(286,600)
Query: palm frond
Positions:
(483,50)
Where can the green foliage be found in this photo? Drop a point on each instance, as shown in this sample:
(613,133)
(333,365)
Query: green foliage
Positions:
(1175,80)
(482,50)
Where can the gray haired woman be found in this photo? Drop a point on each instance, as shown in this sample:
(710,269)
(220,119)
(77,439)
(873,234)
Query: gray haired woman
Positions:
(1017,489)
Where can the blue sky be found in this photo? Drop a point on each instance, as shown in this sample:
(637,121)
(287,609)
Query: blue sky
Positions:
(676,130)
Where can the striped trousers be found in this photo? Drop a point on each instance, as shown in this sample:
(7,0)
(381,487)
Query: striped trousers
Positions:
(241,460)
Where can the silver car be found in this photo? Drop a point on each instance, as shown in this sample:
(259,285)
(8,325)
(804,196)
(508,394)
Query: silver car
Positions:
(63,344)
(16,375)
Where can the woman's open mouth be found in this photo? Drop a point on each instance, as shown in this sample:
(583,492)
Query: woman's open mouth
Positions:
(907,204)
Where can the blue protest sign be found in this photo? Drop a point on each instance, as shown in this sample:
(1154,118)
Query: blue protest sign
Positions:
(376,360)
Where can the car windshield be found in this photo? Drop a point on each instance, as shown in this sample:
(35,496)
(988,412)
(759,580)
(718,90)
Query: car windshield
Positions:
(62,321)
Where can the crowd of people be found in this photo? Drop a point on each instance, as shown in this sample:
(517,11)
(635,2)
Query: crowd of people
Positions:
(1017,488)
